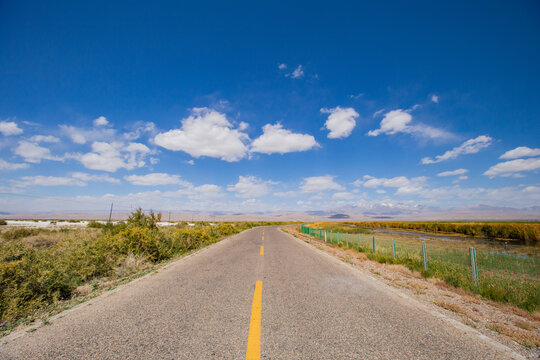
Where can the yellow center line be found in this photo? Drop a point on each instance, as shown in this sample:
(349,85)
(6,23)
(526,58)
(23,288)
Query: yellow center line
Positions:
(254,339)
(262,250)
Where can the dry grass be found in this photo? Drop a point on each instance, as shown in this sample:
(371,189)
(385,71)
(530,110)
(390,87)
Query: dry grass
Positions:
(525,338)
(526,325)
(516,327)
(131,265)
(83,290)
(450,306)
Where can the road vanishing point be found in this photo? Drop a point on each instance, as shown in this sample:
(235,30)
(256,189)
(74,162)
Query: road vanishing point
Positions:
(261,294)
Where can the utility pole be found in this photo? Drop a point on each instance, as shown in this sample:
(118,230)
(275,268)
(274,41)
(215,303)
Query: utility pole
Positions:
(110,213)
(169,216)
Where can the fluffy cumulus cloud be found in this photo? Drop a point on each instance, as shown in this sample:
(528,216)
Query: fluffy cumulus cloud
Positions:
(155,179)
(399,121)
(453,172)
(33,153)
(282,66)
(513,168)
(250,187)
(44,139)
(403,184)
(320,183)
(276,139)
(206,132)
(471,146)
(435,98)
(340,122)
(8,128)
(101,121)
(113,156)
(4,165)
(519,152)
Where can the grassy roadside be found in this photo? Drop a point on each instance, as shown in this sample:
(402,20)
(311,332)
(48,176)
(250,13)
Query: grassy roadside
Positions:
(484,315)
(502,277)
(43,272)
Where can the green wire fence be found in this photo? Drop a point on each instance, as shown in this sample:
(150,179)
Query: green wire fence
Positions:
(497,275)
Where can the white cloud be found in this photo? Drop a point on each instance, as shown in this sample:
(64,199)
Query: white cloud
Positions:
(320,183)
(44,138)
(453,172)
(377,113)
(343,195)
(243,126)
(34,153)
(250,187)
(357,96)
(393,122)
(101,121)
(471,146)
(190,162)
(48,181)
(141,128)
(82,136)
(286,194)
(340,122)
(513,168)
(403,184)
(91,177)
(4,165)
(435,98)
(275,139)
(113,156)
(76,179)
(398,121)
(282,66)
(8,128)
(155,179)
(206,133)
(519,152)
(298,72)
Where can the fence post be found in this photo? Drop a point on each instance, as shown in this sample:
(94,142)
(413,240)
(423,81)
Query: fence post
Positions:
(424,254)
(324,235)
(474,269)
(358,242)
(373,243)
(347,240)
(394,247)
(338,237)
(331,236)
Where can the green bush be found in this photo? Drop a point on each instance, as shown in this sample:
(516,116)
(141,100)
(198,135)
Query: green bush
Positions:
(33,277)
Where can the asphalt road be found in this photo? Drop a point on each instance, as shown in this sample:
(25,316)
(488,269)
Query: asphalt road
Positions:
(202,307)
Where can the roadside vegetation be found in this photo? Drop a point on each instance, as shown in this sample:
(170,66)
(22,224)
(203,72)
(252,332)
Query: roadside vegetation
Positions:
(41,268)
(511,276)
(527,233)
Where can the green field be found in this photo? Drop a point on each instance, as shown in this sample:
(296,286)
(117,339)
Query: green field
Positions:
(508,277)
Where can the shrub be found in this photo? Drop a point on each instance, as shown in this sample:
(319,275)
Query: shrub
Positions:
(32,277)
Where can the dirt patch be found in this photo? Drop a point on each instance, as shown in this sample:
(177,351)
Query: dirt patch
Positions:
(507,324)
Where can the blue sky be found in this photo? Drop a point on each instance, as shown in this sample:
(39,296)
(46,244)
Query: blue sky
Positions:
(242,106)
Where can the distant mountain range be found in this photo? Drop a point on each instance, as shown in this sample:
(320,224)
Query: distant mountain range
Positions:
(368,212)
